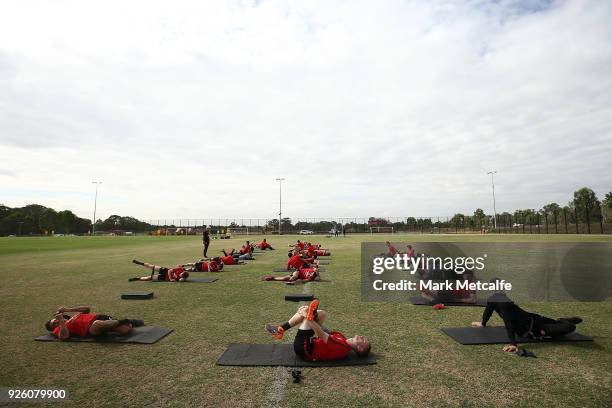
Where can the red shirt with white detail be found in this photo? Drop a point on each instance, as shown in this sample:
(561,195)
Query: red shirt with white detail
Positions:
(174,273)
(336,348)
(228,260)
(306,273)
(295,262)
(78,325)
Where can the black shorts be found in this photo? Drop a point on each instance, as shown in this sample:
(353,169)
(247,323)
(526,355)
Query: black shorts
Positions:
(104,317)
(303,343)
(162,273)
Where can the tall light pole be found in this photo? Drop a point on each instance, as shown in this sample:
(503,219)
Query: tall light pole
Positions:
(492,172)
(93,224)
(280,203)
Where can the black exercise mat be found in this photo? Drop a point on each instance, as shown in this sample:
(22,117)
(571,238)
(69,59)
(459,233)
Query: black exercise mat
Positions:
(140,335)
(273,355)
(498,335)
(137,295)
(421,301)
(293,270)
(299,298)
(190,279)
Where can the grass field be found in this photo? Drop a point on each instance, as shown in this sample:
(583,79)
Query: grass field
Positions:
(417,364)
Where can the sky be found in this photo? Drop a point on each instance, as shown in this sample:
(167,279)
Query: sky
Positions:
(192,109)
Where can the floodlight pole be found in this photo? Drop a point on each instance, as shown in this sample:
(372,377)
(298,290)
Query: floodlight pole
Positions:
(492,172)
(280,203)
(93,224)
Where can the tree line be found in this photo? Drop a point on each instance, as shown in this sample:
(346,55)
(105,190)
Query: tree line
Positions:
(35,219)
(584,208)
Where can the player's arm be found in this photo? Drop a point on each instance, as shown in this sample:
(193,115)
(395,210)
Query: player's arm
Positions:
(78,309)
(64,334)
(486,315)
(318,330)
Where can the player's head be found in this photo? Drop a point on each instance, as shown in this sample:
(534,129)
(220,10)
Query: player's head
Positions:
(360,345)
(216,259)
(51,324)
(289,254)
(409,247)
(264,240)
(184,275)
(388,243)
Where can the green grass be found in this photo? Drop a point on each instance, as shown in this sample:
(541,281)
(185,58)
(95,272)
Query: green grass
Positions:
(418,365)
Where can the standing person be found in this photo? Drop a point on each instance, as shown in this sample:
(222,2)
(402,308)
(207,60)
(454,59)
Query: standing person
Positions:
(344,231)
(205,240)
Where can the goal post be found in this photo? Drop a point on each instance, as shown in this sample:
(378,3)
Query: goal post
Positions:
(238,231)
(381,230)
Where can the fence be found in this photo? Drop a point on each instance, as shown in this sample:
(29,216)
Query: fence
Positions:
(562,223)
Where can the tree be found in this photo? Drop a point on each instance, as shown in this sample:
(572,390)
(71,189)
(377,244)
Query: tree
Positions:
(411,222)
(586,204)
(608,200)
(480,217)
(457,220)
(607,206)
(551,209)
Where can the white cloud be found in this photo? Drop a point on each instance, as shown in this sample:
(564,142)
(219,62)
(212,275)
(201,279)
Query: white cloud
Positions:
(191,109)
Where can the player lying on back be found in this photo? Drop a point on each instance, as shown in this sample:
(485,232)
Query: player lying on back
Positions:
(300,275)
(86,324)
(313,341)
(162,273)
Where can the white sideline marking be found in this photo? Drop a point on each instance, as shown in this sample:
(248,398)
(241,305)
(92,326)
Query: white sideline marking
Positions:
(277,390)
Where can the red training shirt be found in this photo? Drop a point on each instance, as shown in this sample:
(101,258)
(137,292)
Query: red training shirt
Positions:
(336,348)
(78,325)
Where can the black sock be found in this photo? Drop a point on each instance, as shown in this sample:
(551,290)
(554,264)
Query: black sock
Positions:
(138,262)
(286,326)
(133,279)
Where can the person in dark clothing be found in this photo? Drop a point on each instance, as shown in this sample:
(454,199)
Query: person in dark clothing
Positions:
(524,324)
(205,240)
